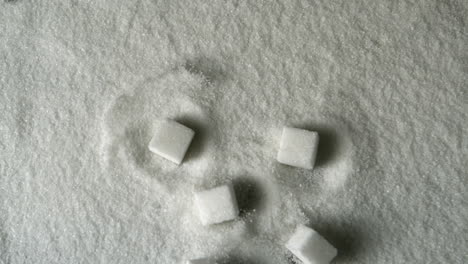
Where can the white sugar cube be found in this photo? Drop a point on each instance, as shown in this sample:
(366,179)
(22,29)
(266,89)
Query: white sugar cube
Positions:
(298,147)
(171,140)
(310,247)
(201,261)
(217,205)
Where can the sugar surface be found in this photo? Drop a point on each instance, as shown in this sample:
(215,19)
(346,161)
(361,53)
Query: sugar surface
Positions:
(383,82)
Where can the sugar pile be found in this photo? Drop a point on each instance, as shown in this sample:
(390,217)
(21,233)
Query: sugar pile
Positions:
(83,83)
(267,219)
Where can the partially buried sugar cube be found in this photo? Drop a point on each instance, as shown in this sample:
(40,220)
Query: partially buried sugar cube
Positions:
(310,247)
(201,261)
(217,205)
(298,147)
(171,140)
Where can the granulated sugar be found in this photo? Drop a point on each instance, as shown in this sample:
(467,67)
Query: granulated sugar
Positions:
(84,84)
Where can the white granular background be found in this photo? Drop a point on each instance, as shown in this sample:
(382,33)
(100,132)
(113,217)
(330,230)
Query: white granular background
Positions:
(83,84)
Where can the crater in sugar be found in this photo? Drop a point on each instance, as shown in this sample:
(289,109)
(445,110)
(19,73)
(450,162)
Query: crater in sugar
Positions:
(267,192)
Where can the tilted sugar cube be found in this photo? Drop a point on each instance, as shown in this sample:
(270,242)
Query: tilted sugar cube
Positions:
(201,261)
(310,247)
(171,140)
(298,147)
(217,205)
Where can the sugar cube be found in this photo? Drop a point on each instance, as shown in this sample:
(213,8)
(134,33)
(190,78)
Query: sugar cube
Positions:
(217,205)
(171,140)
(310,247)
(201,261)
(298,147)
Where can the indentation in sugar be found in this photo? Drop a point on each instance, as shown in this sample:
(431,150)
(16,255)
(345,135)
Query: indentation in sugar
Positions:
(201,261)
(171,140)
(217,205)
(310,247)
(298,147)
